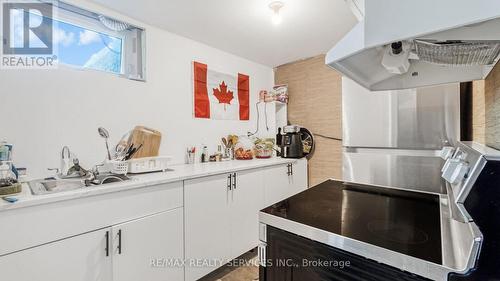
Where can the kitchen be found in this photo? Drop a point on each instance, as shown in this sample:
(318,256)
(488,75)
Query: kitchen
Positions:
(223,140)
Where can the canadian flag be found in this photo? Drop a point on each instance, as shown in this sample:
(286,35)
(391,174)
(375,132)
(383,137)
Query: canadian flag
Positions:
(220,96)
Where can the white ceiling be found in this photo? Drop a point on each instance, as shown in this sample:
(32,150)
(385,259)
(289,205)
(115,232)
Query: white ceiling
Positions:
(244,27)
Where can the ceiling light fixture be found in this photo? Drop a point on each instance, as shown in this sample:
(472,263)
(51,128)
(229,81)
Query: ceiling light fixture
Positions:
(275,7)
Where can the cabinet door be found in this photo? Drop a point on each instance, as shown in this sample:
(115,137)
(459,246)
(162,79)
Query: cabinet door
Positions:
(149,247)
(278,184)
(248,197)
(207,224)
(299,176)
(79,258)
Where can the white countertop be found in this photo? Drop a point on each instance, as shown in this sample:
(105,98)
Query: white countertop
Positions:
(175,173)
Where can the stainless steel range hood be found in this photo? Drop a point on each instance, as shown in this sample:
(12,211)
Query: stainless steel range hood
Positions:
(408,44)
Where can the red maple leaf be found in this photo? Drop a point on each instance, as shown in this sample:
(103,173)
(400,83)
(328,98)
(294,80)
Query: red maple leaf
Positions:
(223,95)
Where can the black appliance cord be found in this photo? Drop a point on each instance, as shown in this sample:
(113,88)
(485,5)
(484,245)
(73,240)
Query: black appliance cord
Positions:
(327,137)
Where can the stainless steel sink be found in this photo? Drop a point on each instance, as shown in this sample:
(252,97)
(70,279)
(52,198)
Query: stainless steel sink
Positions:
(47,186)
(105,179)
(55,185)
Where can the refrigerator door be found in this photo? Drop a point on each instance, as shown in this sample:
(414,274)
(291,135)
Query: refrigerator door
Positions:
(423,118)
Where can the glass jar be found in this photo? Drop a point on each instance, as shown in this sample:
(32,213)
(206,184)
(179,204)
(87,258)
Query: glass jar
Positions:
(264,148)
(243,150)
(7,176)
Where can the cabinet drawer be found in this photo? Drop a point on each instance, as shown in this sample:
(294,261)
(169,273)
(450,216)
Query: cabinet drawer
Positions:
(32,226)
(79,258)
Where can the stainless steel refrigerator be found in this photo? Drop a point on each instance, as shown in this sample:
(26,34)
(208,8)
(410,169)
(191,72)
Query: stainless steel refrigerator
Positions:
(393,138)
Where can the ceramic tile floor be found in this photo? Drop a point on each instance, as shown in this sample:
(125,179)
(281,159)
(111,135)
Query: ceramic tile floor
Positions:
(243,273)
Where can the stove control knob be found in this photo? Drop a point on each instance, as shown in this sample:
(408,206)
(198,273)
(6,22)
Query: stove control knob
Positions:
(447,152)
(456,171)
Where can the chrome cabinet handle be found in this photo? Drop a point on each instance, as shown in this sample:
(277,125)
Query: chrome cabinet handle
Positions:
(234,181)
(119,242)
(107,244)
(261,250)
(229,182)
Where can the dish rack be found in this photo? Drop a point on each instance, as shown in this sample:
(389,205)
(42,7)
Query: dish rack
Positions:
(148,164)
(115,167)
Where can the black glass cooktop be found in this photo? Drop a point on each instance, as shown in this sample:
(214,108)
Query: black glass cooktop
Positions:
(403,221)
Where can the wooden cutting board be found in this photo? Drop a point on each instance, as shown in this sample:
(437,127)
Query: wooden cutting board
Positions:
(150,140)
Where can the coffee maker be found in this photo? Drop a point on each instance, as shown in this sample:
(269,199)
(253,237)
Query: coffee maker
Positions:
(295,142)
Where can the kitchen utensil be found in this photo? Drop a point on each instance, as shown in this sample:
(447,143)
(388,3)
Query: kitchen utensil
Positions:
(150,140)
(190,155)
(105,134)
(232,140)
(133,151)
(224,141)
(122,146)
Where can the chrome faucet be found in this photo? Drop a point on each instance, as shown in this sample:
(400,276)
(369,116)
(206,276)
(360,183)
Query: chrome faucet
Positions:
(77,169)
(70,165)
(66,161)
(91,177)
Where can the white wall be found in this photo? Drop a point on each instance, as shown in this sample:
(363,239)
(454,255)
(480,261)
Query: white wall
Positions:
(44,110)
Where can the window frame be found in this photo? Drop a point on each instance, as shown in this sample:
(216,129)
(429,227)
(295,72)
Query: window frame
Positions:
(84,18)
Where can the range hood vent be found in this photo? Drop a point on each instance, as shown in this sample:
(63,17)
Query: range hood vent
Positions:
(458,53)
(405,44)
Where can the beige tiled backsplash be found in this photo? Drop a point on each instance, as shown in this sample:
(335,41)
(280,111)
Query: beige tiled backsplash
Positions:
(486,109)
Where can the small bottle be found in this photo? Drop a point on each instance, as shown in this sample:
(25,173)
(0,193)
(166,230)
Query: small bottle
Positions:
(278,137)
(218,156)
(204,154)
(4,152)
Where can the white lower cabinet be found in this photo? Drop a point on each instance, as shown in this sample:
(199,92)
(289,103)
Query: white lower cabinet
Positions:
(79,258)
(207,224)
(102,255)
(285,180)
(150,248)
(246,204)
(221,219)
(147,234)
(299,176)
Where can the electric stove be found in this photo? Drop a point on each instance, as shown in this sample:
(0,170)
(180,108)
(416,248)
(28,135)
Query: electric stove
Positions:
(388,233)
(401,221)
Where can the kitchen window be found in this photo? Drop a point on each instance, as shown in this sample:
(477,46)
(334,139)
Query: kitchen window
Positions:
(88,40)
